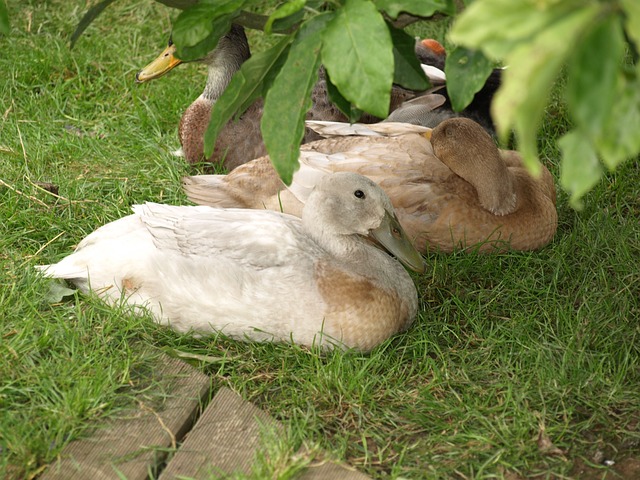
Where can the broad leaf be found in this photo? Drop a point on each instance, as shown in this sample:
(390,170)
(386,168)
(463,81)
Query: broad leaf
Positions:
(219,27)
(407,70)
(467,71)
(58,291)
(533,67)
(357,53)
(197,27)
(632,20)
(420,8)
(619,139)
(591,85)
(580,169)
(245,87)
(498,26)
(352,113)
(289,99)
(284,11)
(85,21)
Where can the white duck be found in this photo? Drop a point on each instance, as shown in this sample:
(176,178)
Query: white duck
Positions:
(257,274)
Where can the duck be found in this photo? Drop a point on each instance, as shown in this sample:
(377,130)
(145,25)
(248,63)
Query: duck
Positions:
(331,278)
(451,187)
(241,140)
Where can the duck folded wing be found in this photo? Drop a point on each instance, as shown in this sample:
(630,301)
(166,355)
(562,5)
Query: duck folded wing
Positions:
(381,129)
(259,239)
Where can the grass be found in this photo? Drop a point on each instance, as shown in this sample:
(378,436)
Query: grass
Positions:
(510,352)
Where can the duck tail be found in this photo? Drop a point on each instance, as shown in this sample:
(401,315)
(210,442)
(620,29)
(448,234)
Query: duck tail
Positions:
(209,190)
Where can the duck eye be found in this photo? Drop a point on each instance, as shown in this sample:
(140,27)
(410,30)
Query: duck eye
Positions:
(359,194)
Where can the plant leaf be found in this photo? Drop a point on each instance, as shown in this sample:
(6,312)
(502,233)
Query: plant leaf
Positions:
(591,85)
(88,17)
(285,10)
(467,71)
(197,29)
(407,71)
(420,8)
(357,53)
(533,67)
(632,20)
(58,291)
(497,27)
(219,27)
(289,98)
(619,139)
(580,167)
(351,112)
(4,19)
(245,86)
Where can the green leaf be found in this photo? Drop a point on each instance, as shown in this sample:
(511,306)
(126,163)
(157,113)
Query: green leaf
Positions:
(407,70)
(289,99)
(4,19)
(580,169)
(58,291)
(467,71)
(219,27)
(245,87)
(591,85)
(497,27)
(532,69)
(352,113)
(85,21)
(619,139)
(286,10)
(357,53)
(420,8)
(197,29)
(632,20)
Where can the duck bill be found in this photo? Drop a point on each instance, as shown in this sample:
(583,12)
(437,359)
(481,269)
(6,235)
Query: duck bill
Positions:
(394,239)
(165,62)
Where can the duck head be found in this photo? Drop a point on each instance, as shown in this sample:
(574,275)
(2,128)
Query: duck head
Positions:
(348,204)
(232,49)
(470,152)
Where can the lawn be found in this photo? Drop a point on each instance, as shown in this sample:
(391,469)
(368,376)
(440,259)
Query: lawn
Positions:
(520,365)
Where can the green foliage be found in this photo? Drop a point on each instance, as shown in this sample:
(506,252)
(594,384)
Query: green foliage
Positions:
(407,71)
(356,52)
(536,40)
(197,30)
(281,129)
(362,54)
(246,86)
(466,72)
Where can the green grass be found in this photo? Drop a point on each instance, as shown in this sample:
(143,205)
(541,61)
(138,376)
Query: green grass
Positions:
(505,346)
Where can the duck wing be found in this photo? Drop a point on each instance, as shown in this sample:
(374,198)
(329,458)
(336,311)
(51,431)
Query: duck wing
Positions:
(256,238)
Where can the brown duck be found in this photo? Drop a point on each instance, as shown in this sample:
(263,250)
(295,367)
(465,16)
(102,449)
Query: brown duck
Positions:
(240,140)
(452,188)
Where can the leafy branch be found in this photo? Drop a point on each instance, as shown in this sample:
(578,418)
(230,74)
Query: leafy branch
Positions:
(596,41)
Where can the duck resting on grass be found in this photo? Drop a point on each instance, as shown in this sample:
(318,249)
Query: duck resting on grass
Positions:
(451,187)
(241,140)
(260,275)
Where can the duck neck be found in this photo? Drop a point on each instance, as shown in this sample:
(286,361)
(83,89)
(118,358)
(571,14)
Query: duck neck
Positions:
(227,58)
(490,177)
